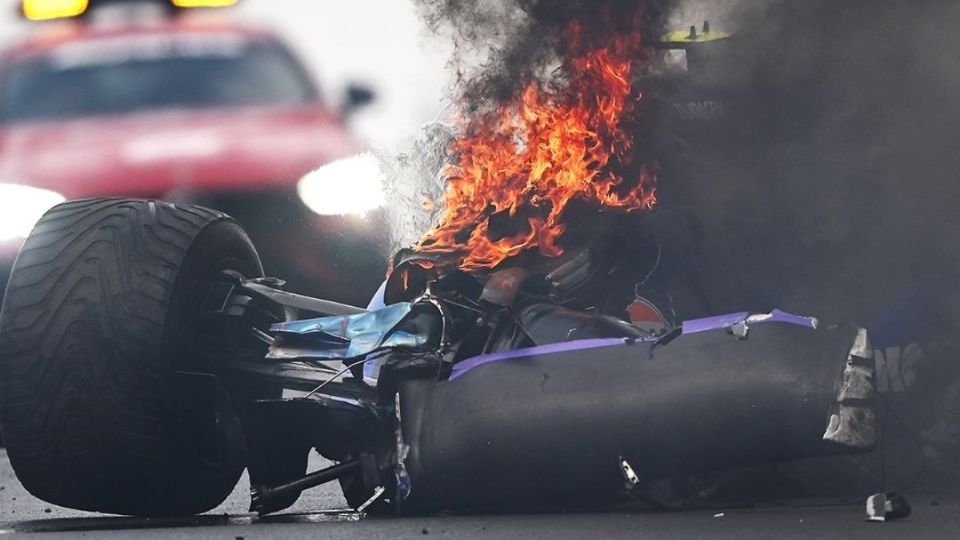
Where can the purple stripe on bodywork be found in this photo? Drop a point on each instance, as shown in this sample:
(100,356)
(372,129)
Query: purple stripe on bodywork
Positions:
(689,327)
(712,323)
(576,345)
(726,321)
(784,317)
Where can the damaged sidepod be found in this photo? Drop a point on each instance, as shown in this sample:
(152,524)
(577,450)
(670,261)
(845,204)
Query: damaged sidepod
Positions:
(554,424)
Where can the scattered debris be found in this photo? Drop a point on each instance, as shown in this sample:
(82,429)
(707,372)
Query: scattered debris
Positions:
(377,493)
(887,506)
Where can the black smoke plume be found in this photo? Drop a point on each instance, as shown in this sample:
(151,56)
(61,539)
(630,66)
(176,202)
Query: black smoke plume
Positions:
(500,46)
(832,184)
(857,102)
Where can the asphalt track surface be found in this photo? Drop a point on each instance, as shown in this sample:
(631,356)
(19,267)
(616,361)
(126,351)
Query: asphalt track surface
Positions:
(320,514)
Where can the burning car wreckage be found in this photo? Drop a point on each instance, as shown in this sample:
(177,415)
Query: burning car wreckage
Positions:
(505,363)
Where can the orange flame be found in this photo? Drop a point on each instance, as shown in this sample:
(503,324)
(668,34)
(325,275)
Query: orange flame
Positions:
(527,160)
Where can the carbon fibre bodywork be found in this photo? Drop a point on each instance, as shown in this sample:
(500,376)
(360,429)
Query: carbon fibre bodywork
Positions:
(552,428)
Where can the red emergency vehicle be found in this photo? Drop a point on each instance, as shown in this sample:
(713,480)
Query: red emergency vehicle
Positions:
(151,99)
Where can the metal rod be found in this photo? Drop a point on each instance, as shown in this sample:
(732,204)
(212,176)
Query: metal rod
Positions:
(262,497)
(299,301)
(336,376)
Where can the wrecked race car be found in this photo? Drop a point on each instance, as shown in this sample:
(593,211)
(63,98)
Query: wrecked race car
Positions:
(146,362)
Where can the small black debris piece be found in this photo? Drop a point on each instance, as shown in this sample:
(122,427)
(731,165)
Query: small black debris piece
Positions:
(887,506)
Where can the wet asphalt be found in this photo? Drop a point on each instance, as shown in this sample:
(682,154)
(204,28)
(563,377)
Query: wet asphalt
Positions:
(321,513)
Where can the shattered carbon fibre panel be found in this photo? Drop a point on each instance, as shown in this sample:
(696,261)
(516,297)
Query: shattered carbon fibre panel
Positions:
(416,326)
(855,422)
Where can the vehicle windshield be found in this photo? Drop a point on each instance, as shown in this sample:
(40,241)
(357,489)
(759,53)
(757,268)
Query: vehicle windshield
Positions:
(100,78)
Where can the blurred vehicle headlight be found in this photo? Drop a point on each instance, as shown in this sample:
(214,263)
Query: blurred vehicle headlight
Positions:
(352,185)
(20,208)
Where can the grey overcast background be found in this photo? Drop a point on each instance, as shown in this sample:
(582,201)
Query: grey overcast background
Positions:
(378,43)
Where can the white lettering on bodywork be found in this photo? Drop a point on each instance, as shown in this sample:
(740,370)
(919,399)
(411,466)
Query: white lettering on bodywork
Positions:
(147,47)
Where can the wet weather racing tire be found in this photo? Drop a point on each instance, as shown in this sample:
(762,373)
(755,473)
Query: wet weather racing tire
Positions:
(98,406)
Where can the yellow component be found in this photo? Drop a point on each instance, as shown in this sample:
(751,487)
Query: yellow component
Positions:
(43,10)
(203,3)
(686,36)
